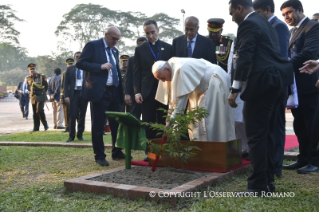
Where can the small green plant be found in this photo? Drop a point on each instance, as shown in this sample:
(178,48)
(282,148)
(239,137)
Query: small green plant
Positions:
(178,128)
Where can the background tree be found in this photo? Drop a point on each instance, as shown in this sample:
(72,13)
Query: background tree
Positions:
(7,18)
(12,57)
(13,77)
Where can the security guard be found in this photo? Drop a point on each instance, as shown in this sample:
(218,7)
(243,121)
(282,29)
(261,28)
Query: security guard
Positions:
(123,62)
(66,106)
(222,43)
(38,85)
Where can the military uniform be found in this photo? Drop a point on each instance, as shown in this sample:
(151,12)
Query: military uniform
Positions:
(222,44)
(38,85)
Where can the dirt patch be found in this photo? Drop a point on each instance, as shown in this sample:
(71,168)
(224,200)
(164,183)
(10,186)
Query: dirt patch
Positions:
(162,178)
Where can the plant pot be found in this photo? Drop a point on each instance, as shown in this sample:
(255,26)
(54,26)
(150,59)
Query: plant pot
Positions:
(213,156)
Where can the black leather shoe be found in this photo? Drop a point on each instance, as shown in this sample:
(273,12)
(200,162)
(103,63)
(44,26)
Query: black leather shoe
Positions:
(46,127)
(293,166)
(69,140)
(118,156)
(102,162)
(308,169)
(34,130)
(146,158)
(271,187)
(60,127)
(244,155)
(104,133)
(66,130)
(81,139)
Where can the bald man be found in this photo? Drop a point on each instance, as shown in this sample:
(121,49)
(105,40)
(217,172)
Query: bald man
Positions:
(102,86)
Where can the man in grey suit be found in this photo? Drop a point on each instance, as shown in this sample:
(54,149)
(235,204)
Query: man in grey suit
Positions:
(193,44)
(266,9)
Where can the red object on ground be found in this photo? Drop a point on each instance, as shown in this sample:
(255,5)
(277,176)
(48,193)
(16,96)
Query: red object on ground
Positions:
(107,128)
(291,142)
(157,157)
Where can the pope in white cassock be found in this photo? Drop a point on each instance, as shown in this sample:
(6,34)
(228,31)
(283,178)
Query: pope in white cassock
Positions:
(204,85)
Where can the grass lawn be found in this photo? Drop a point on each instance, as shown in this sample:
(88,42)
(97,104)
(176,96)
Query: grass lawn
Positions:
(31,179)
(49,136)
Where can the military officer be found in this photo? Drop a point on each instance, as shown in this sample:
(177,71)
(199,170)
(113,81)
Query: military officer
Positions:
(222,43)
(65,105)
(123,62)
(38,85)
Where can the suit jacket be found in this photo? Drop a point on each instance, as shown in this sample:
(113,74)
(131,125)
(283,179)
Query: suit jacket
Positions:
(260,64)
(204,48)
(283,35)
(143,79)
(306,40)
(94,80)
(20,87)
(54,86)
(69,81)
(129,77)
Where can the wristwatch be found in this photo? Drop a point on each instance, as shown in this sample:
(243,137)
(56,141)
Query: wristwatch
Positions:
(234,90)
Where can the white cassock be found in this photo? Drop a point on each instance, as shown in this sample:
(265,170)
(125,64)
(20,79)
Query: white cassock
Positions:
(204,85)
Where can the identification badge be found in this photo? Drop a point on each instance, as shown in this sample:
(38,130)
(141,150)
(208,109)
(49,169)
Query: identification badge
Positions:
(79,82)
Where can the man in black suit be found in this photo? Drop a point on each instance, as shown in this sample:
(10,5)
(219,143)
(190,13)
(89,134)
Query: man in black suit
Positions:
(262,75)
(315,17)
(102,86)
(266,9)
(304,45)
(193,44)
(24,99)
(135,109)
(72,95)
(145,85)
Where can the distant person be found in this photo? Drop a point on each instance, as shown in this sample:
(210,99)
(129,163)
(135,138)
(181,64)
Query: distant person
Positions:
(54,86)
(192,44)
(303,46)
(73,80)
(222,43)
(315,17)
(144,83)
(133,108)
(123,66)
(102,86)
(38,85)
(66,107)
(24,99)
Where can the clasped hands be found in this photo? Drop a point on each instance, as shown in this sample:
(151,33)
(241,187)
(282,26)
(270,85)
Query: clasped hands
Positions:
(106,66)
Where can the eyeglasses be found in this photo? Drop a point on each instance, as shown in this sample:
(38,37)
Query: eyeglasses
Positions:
(114,39)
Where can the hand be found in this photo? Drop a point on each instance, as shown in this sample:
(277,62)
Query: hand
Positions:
(232,100)
(52,97)
(317,84)
(106,66)
(138,98)
(67,100)
(128,99)
(20,91)
(27,92)
(310,67)
(168,124)
(61,100)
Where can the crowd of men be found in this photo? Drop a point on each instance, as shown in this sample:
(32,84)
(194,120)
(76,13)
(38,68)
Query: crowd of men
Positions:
(261,64)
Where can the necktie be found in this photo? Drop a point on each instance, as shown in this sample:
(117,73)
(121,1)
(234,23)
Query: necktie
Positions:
(189,49)
(114,72)
(78,76)
(293,31)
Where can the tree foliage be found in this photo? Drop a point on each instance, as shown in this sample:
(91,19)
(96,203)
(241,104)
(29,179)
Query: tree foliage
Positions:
(7,31)
(86,22)
(12,57)
(13,77)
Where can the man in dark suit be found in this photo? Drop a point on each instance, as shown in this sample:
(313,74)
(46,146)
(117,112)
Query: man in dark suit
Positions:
(145,85)
(262,75)
(304,45)
(193,44)
(266,9)
(102,86)
(73,81)
(135,109)
(315,17)
(24,99)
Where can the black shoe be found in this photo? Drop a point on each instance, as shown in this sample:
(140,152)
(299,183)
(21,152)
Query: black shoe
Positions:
(244,155)
(102,162)
(119,156)
(104,133)
(81,139)
(308,169)
(34,130)
(26,118)
(293,166)
(271,187)
(69,140)
(54,127)
(46,127)
(66,130)
(146,158)
(60,128)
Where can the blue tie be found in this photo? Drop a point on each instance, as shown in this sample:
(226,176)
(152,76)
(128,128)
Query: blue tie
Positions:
(25,88)
(114,72)
(189,49)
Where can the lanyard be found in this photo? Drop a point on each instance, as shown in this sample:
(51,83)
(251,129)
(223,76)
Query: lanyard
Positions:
(155,57)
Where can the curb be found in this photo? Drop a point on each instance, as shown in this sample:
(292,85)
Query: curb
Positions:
(50,144)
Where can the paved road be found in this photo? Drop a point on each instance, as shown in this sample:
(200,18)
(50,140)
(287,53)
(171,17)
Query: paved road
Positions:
(11,120)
